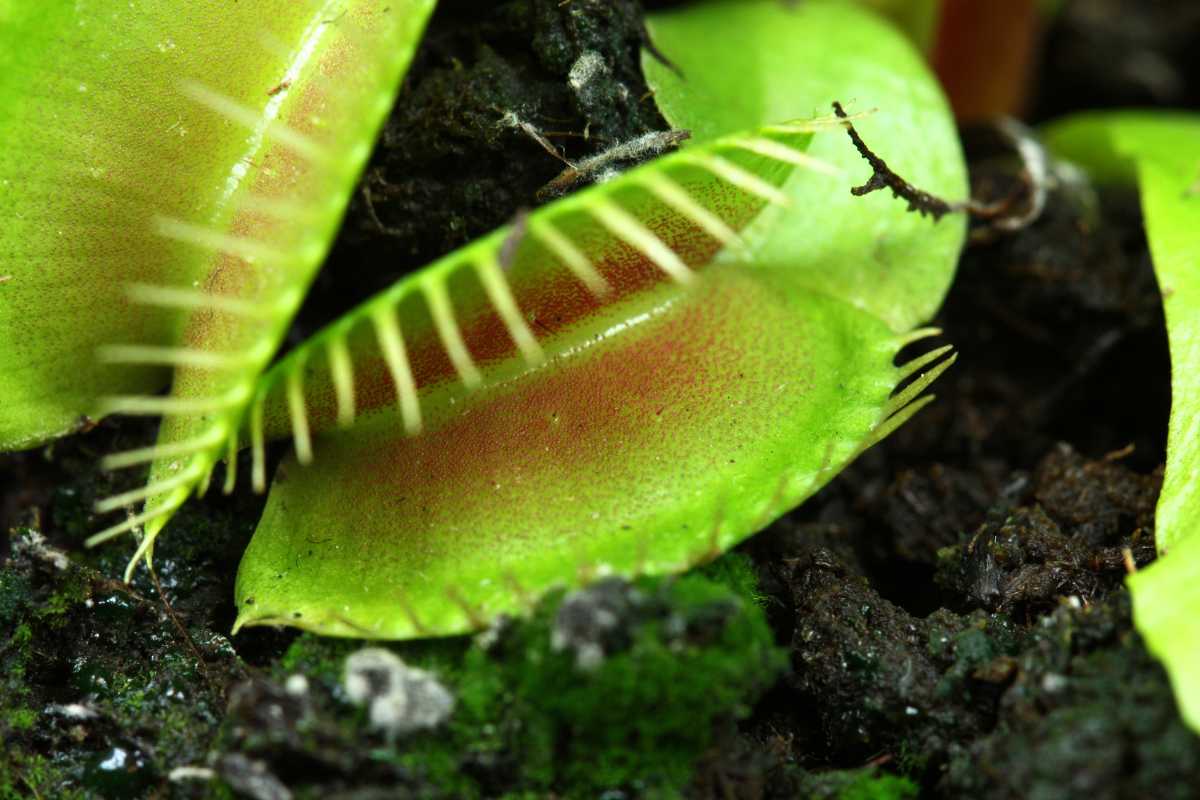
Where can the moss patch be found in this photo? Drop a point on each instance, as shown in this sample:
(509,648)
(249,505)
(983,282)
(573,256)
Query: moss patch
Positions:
(542,704)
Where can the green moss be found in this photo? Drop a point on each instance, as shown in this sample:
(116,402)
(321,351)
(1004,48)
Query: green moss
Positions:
(316,657)
(25,775)
(735,570)
(867,783)
(21,719)
(879,787)
(532,718)
(694,653)
(117,653)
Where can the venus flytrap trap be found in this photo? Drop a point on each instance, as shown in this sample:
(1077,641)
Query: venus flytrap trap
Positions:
(1160,152)
(305,140)
(107,144)
(630,380)
(603,405)
(661,366)
(135,139)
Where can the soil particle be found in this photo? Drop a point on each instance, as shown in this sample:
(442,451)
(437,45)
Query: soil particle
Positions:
(1051,320)
(966,701)
(1089,714)
(251,779)
(879,676)
(1029,539)
(1073,540)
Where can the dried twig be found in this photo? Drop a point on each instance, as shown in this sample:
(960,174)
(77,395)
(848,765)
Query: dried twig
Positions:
(882,177)
(179,626)
(512,120)
(924,203)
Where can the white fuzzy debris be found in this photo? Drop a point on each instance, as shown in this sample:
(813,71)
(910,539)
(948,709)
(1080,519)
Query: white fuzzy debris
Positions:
(181,774)
(296,685)
(35,545)
(76,711)
(584,72)
(1052,682)
(604,163)
(400,699)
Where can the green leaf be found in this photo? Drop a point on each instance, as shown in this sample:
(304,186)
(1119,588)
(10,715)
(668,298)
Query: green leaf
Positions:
(318,80)
(511,426)
(787,62)
(99,142)
(1161,153)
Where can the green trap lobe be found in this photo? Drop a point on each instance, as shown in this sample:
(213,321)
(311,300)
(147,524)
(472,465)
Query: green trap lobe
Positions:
(647,450)
(326,75)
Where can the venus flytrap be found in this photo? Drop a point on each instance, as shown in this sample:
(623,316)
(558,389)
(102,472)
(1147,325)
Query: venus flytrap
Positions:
(630,380)
(619,399)
(648,379)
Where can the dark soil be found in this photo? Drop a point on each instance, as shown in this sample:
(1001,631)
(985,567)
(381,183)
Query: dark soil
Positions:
(951,607)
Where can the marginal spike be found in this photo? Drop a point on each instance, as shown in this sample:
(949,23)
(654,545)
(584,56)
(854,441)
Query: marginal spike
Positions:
(448,331)
(498,291)
(299,416)
(258,469)
(736,176)
(231,459)
(149,490)
(677,198)
(906,395)
(885,428)
(910,368)
(173,297)
(254,120)
(341,369)
(391,342)
(171,356)
(781,152)
(570,255)
(130,523)
(155,522)
(626,227)
(205,477)
(145,546)
(137,405)
(144,455)
(247,249)
(915,336)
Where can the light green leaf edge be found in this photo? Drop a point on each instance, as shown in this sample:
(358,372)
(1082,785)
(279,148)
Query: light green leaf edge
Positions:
(728,53)
(1160,151)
